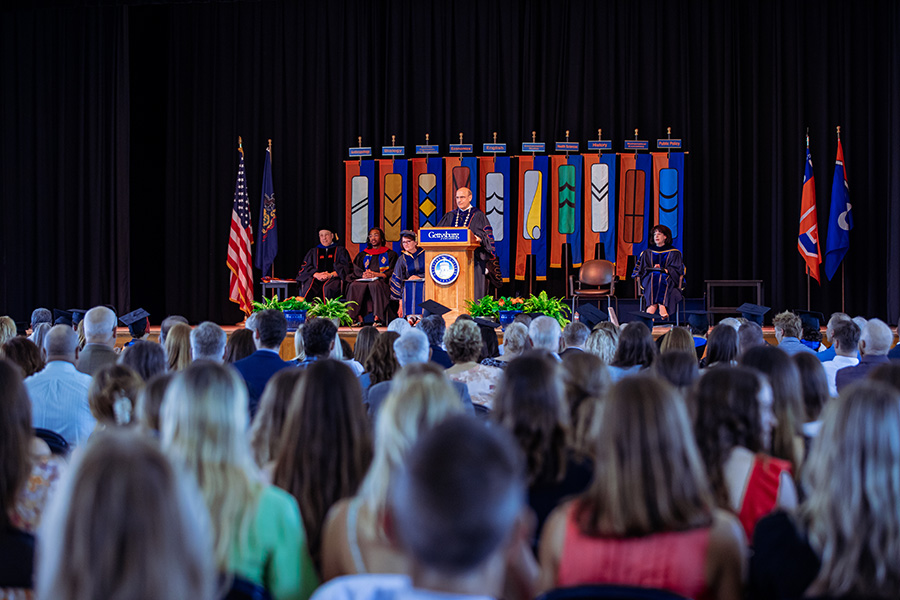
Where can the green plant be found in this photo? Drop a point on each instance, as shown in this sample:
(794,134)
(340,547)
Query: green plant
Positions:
(292,303)
(510,303)
(332,308)
(552,307)
(486,307)
(295,303)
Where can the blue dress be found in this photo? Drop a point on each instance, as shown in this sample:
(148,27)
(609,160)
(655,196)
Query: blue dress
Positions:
(661,286)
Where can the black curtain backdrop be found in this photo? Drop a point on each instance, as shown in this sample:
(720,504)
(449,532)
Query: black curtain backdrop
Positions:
(119,126)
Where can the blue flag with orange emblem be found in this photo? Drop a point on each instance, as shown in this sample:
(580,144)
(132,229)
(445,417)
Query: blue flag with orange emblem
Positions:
(840,220)
(268,228)
(808,239)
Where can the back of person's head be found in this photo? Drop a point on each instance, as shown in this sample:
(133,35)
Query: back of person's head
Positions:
(530,403)
(318,336)
(723,345)
(124,524)
(271,327)
(299,349)
(208,342)
(813,382)
(412,347)
(399,325)
(523,318)
(731,322)
(39,333)
(727,408)
(327,446)
(888,373)
(100,325)
(789,324)
(24,353)
(178,347)
(602,343)
(877,337)
(648,476)
(41,315)
(458,496)
(61,343)
(421,396)
(346,350)
(678,368)
(636,346)
(239,346)
(860,322)
(381,364)
(750,335)
(678,339)
(167,324)
(7,329)
(434,327)
(150,401)
(113,395)
(204,428)
(146,358)
(268,424)
(545,332)
(787,395)
(575,334)
(846,334)
(515,339)
(365,338)
(463,340)
(15,438)
(490,345)
(853,494)
(834,319)
(586,380)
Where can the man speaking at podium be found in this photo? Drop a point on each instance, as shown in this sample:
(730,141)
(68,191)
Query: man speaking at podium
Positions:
(466,215)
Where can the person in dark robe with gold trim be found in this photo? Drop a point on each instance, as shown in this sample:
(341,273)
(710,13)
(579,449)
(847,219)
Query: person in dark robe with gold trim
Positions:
(466,215)
(372,270)
(660,269)
(325,268)
(410,267)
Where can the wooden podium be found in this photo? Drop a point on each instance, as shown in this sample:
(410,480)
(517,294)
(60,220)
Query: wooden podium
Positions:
(459,244)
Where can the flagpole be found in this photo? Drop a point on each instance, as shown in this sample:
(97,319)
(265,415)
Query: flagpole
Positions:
(807,289)
(272,267)
(842,261)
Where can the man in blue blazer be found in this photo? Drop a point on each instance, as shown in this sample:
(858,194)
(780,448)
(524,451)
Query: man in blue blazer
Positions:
(256,369)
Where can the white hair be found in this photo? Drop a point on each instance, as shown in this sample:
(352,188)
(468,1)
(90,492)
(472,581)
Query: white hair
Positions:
(208,342)
(731,322)
(877,336)
(99,323)
(411,347)
(399,325)
(544,332)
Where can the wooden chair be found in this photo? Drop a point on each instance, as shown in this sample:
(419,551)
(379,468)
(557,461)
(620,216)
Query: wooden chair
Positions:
(598,273)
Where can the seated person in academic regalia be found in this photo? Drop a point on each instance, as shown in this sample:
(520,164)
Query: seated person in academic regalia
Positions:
(410,267)
(372,270)
(325,268)
(138,323)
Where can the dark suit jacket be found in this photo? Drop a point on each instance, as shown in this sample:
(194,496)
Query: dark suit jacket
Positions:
(848,375)
(572,350)
(440,356)
(94,357)
(379,391)
(256,370)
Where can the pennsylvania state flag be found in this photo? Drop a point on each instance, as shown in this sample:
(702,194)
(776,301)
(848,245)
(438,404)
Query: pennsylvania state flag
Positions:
(268,227)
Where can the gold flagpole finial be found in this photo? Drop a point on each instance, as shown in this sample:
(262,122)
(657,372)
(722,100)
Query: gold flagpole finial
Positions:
(533,137)
(393,140)
(495,136)
(240,145)
(669,132)
(839,132)
(359,141)
(426,139)
(635,134)
(270,145)
(599,134)
(460,137)
(567,135)
(807,138)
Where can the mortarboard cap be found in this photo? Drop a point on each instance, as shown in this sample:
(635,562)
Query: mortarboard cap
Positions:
(646,318)
(482,322)
(698,319)
(62,317)
(753,312)
(430,307)
(408,233)
(811,319)
(77,315)
(134,316)
(327,227)
(590,315)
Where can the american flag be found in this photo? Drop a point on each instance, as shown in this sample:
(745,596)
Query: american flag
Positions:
(240,287)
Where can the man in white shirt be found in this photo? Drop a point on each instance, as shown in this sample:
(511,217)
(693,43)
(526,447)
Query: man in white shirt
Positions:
(845,340)
(59,393)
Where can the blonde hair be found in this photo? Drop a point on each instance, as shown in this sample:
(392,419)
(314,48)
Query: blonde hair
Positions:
(602,343)
(7,329)
(677,339)
(178,347)
(648,476)
(299,350)
(515,339)
(204,425)
(124,524)
(463,341)
(421,396)
(852,512)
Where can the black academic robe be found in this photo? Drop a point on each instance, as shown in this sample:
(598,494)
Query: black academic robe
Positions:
(324,259)
(486,265)
(381,260)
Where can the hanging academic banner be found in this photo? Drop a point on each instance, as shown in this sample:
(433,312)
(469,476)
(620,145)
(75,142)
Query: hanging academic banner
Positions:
(566,203)
(460,173)
(494,195)
(360,214)
(426,178)
(392,174)
(633,208)
(600,207)
(532,235)
(668,193)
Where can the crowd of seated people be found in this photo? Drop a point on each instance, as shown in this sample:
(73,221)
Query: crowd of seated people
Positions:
(578,456)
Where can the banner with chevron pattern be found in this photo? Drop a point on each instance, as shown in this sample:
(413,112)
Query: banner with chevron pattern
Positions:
(494,196)
(360,200)
(600,207)
(392,175)
(633,208)
(668,193)
(566,203)
(460,172)
(427,175)
(534,179)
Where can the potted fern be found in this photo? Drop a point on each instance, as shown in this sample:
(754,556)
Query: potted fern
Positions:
(333,308)
(294,308)
(552,307)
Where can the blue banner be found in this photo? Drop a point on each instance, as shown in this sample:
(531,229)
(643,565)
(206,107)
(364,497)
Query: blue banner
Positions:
(268,227)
